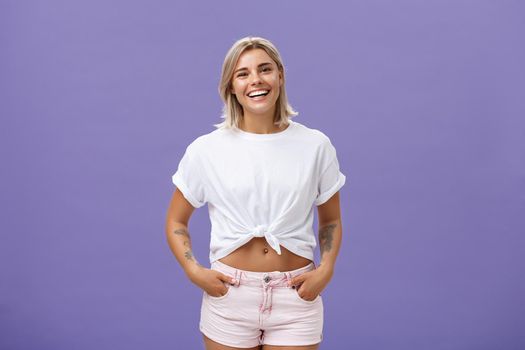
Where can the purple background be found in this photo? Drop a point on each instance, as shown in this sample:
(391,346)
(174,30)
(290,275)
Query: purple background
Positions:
(424,101)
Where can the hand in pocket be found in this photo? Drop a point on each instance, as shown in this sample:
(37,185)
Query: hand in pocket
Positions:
(212,282)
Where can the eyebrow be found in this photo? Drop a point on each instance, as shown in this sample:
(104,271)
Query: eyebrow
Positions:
(260,65)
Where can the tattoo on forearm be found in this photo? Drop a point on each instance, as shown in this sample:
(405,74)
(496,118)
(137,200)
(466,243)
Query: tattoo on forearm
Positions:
(187,254)
(182,232)
(326,237)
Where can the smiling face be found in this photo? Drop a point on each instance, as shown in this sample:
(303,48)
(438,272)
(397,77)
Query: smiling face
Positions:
(256,75)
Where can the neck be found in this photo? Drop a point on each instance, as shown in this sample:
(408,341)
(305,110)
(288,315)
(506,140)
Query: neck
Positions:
(258,124)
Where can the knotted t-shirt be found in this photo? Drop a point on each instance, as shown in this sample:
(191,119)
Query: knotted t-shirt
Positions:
(260,185)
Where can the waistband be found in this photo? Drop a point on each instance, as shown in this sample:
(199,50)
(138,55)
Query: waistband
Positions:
(275,278)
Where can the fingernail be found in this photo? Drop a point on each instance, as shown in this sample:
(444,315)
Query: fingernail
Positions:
(234,281)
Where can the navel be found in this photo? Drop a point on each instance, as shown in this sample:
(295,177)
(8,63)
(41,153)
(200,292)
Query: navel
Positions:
(265,250)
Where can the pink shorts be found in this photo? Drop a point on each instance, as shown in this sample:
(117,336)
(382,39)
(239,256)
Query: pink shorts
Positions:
(261,309)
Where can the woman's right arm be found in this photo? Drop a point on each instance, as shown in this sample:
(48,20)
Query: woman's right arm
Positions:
(178,236)
(177,233)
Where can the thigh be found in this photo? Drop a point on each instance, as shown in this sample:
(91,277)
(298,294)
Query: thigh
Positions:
(232,319)
(294,323)
(211,345)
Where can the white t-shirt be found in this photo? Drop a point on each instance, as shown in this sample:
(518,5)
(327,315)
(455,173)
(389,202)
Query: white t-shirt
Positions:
(260,185)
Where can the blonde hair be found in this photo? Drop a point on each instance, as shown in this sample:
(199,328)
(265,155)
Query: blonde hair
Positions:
(232,109)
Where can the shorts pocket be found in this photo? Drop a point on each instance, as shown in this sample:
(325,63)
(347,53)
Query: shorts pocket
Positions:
(229,286)
(296,293)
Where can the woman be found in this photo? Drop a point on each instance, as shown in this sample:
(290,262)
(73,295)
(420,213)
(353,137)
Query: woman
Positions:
(261,174)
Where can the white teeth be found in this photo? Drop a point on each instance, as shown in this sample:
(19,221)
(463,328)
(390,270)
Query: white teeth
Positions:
(258,93)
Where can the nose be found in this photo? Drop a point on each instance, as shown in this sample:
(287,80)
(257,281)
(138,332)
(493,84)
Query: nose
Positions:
(256,79)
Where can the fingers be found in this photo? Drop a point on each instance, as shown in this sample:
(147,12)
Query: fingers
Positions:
(297,280)
(226,278)
(300,291)
(223,288)
(222,293)
(305,296)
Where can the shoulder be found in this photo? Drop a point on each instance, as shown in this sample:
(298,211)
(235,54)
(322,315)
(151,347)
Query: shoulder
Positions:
(319,144)
(312,135)
(204,142)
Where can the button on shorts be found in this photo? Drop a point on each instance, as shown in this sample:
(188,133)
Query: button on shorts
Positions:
(259,309)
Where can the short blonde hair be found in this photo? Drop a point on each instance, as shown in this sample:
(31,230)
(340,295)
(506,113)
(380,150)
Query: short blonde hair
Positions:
(232,109)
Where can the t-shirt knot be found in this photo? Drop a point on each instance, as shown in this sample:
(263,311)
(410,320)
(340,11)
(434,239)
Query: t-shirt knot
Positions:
(259,231)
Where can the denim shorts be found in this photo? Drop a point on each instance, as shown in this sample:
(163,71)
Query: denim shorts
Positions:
(260,309)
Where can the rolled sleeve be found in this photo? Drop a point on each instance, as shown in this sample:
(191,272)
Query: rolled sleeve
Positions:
(331,179)
(189,179)
(330,182)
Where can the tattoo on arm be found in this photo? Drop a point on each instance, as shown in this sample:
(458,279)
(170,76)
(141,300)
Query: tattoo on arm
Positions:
(326,237)
(182,232)
(188,254)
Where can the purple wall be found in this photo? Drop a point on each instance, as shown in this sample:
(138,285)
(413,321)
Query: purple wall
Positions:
(424,102)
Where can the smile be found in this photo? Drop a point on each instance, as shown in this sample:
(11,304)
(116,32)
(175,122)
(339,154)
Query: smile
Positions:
(258,93)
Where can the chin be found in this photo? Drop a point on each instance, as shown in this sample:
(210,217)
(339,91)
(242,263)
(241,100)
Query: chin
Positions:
(259,111)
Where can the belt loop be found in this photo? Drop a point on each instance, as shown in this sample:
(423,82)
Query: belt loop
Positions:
(237,278)
(288,276)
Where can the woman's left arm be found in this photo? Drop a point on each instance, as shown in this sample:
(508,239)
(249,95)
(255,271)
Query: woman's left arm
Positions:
(330,232)
(330,237)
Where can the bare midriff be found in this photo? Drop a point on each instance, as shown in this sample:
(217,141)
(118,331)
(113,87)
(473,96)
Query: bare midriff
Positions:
(258,256)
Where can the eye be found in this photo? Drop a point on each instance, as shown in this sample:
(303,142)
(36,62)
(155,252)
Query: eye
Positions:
(267,69)
(241,74)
